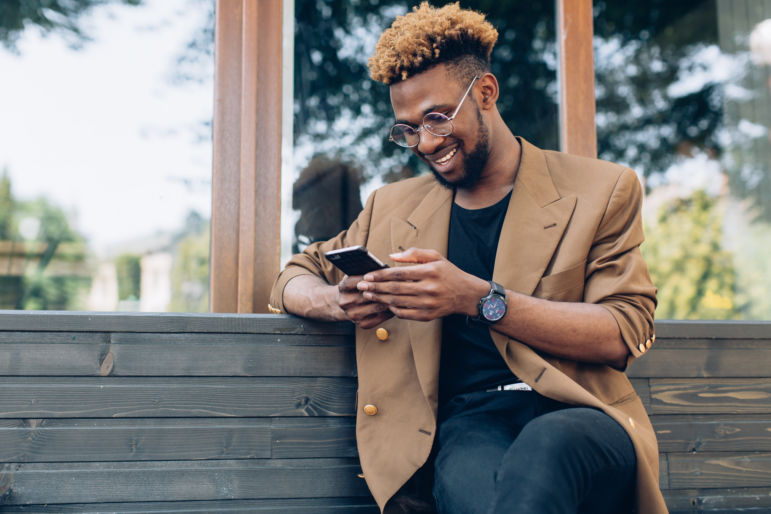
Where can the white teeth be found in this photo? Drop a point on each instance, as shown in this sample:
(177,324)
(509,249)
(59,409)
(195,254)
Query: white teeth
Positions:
(446,157)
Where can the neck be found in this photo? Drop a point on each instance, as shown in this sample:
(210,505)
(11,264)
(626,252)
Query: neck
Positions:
(498,176)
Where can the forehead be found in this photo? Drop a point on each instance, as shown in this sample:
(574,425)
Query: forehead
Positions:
(433,88)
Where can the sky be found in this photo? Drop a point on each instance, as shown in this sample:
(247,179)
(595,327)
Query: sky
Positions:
(104,131)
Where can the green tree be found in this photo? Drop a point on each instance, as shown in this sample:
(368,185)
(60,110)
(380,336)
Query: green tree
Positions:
(695,275)
(190,267)
(6,207)
(37,233)
(128,267)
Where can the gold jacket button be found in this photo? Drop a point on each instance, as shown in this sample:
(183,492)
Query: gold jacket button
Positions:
(631,422)
(653,338)
(381,334)
(648,343)
(641,347)
(370,410)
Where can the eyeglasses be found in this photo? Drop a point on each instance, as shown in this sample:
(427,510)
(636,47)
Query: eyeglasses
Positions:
(435,123)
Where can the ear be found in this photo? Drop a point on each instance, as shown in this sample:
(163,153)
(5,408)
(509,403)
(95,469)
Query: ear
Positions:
(487,93)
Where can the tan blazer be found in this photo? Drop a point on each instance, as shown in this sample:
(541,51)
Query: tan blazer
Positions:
(571,233)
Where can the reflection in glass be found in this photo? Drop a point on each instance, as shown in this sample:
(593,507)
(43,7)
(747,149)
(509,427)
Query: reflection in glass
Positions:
(343,117)
(683,98)
(105,159)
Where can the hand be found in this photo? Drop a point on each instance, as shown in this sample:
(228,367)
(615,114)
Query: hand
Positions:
(362,311)
(431,289)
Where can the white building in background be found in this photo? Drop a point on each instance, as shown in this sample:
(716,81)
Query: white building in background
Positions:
(155,284)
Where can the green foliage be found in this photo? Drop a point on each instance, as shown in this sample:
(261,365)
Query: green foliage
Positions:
(48,15)
(695,275)
(190,268)
(129,270)
(6,207)
(52,278)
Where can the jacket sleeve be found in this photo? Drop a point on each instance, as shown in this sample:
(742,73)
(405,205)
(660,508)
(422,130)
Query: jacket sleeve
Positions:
(616,275)
(312,260)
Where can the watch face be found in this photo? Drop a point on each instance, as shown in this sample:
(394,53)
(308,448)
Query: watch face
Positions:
(494,308)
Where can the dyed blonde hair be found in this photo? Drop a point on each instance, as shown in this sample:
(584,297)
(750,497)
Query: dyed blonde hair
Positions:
(428,36)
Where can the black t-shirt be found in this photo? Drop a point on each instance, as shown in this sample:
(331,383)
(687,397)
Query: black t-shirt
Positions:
(470,361)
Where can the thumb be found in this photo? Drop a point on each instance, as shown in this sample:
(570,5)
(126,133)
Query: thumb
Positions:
(416,255)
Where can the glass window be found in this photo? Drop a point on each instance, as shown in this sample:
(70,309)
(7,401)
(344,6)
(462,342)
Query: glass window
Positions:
(683,97)
(105,161)
(341,117)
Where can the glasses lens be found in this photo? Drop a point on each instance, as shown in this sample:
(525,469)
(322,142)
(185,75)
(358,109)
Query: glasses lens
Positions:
(404,135)
(438,124)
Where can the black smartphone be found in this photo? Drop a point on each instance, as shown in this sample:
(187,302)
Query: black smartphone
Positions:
(354,260)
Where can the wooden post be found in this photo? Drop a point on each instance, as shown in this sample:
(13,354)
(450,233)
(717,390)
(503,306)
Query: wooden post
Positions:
(578,134)
(246,181)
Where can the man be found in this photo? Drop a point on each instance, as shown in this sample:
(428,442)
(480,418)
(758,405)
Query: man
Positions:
(515,297)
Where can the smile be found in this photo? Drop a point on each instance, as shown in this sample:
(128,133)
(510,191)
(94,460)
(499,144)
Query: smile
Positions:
(447,157)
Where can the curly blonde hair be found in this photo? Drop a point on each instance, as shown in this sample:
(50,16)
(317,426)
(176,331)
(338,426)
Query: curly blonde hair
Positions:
(428,36)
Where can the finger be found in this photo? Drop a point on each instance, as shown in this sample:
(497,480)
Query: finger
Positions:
(348,283)
(417,255)
(413,314)
(400,274)
(375,320)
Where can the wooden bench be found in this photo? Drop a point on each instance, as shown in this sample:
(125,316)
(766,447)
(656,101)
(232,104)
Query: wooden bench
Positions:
(235,413)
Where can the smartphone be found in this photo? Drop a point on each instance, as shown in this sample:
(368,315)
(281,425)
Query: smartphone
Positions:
(354,260)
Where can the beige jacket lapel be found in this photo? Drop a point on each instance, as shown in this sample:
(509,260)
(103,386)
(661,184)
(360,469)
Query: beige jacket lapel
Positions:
(426,227)
(535,222)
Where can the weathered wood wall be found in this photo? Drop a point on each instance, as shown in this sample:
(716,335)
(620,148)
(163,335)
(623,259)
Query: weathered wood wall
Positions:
(193,413)
(707,388)
(232,413)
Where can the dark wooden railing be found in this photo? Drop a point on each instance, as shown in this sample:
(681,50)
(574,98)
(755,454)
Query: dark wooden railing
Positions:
(254,413)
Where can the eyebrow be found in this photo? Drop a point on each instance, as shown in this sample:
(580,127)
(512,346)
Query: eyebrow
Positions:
(433,108)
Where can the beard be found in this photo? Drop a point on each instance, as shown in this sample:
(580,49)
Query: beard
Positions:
(474,162)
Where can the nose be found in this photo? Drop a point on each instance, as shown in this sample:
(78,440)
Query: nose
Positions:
(428,142)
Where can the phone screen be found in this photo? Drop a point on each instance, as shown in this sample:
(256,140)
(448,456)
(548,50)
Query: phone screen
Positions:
(354,260)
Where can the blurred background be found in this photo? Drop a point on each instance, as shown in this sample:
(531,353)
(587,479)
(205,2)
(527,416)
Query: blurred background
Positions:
(105,140)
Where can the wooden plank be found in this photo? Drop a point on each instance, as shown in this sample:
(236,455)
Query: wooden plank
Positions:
(719,470)
(578,134)
(97,440)
(179,480)
(317,437)
(189,358)
(61,321)
(710,396)
(78,397)
(361,505)
(707,329)
(703,363)
(718,501)
(715,433)
(226,156)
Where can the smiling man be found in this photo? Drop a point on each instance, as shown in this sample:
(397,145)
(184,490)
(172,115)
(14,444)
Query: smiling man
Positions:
(490,353)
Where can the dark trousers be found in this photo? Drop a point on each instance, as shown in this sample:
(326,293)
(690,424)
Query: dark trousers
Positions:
(517,452)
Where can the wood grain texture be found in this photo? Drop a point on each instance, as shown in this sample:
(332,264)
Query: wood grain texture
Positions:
(77,397)
(183,356)
(359,505)
(58,321)
(713,433)
(710,396)
(718,470)
(719,500)
(180,480)
(718,362)
(97,440)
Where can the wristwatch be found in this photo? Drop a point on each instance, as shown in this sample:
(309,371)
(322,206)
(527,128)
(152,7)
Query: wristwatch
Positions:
(492,308)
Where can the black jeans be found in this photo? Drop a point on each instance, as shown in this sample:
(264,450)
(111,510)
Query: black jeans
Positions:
(517,452)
